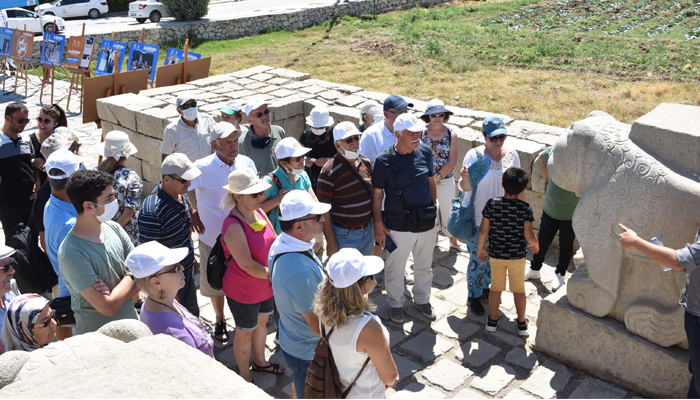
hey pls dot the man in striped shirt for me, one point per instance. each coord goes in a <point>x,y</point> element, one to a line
<point>165,217</point>
<point>345,182</point>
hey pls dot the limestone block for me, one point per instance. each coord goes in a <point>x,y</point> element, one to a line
<point>147,188</point>
<point>341,114</point>
<point>286,108</point>
<point>152,122</point>
<point>278,81</point>
<point>536,201</point>
<point>350,101</point>
<point>11,363</point>
<point>282,93</point>
<point>295,85</point>
<point>151,172</point>
<point>313,89</point>
<point>126,330</point>
<point>604,348</point>
<point>244,73</point>
<point>261,77</point>
<point>376,96</point>
<point>461,122</point>
<point>447,374</point>
<point>134,164</point>
<point>167,90</point>
<point>230,86</point>
<point>244,81</point>
<point>293,126</point>
<point>671,133</point>
<point>289,74</point>
<point>527,129</point>
<point>211,81</point>
<point>256,85</point>
<point>311,103</point>
<point>123,108</point>
<point>268,88</point>
<point>543,138</point>
<point>241,94</point>
<point>93,361</point>
<point>538,180</point>
<point>345,89</point>
<point>620,183</point>
<point>213,108</point>
<point>150,151</point>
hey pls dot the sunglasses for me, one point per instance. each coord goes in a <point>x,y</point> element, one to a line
<point>22,121</point>
<point>260,114</point>
<point>256,195</point>
<point>365,279</point>
<point>48,319</point>
<point>6,267</point>
<point>46,121</point>
<point>438,115</point>
<point>498,138</point>
<point>170,271</point>
<point>183,181</point>
<point>353,138</point>
<point>192,104</point>
<point>317,218</point>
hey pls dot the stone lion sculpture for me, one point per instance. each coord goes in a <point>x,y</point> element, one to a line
<point>621,184</point>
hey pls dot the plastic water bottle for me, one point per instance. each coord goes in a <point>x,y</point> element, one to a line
<point>657,242</point>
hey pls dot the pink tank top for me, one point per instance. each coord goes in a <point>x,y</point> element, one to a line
<point>238,284</point>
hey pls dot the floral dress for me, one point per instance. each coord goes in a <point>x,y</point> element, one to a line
<point>441,150</point>
<point>127,190</point>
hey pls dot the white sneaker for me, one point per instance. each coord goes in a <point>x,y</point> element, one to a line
<point>532,274</point>
<point>557,282</point>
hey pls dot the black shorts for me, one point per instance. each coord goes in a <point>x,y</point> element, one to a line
<point>64,312</point>
<point>246,315</point>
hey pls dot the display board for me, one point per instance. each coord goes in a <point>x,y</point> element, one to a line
<point>143,56</point>
<point>175,56</point>
<point>106,60</point>
<point>79,52</point>
<point>52,50</point>
<point>168,75</point>
<point>97,87</point>
<point>6,42</point>
<point>22,45</point>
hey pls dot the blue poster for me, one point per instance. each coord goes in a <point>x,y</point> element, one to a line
<point>106,60</point>
<point>52,49</point>
<point>175,56</point>
<point>143,56</point>
<point>5,41</point>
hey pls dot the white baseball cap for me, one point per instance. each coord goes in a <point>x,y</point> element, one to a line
<point>183,97</point>
<point>290,147</point>
<point>410,122</point>
<point>255,103</point>
<point>178,164</point>
<point>149,258</point>
<point>345,129</point>
<point>6,251</point>
<point>116,145</point>
<point>319,117</point>
<point>298,204</point>
<point>348,266</point>
<point>368,106</point>
<point>231,107</point>
<point>224,129</point>
<point>64,160</point>
<point>245,181</point>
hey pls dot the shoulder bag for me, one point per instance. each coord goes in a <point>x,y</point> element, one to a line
<point>461,221</point>
<point>419,219</point>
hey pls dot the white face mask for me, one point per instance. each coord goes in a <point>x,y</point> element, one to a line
<point>350,155</point>
<point>110,211</point>
<point>190,114</point>
<point>294,171</point>
<point>318,131</point>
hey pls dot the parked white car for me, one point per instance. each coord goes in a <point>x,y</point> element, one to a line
<point>17,18</point>
<point>147,9</point>
<point>74,8</point>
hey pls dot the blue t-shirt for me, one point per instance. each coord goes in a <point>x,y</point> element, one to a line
<point>412,172</point>
<point>301,183</point>
<point>295,279</point>
<point>59,218</point>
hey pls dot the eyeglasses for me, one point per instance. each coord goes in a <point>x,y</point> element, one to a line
<point>317,218</point>
<point>350,139</point>
<point>398,112</point>
<point>183,181</point>
<point>46,121</point>
<point>498,138</point>
<point>260,114</point>
<point>365,279</point>
<point>170,271</point>
<point>191,104</point>
<point>438,115</point>
<point>6,267</point>
<point>48,319</point>
<point>22,121</point>
<point>296,159</point>
<point>256,195</point>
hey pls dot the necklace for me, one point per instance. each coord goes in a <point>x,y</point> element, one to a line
<point>244,218</point>
<point>204,328</point>
<point>163,304</point>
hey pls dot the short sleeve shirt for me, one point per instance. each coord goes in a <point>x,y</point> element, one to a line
<point>374,140</point>
<point>264,158</point>
<point>689,257</point>
<point>16,170</point>
<point>301,183</point>
<point>187,329</point>
<point>82,261</point>
<point>195,142</point>
<point>558,203</point>
<point>60,218</point>
<point>507,233</point>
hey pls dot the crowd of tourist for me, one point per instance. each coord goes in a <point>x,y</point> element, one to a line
<point>270,202</point>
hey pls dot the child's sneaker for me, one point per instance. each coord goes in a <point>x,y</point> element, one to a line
<point>523,328</point>
<point>491,325</point>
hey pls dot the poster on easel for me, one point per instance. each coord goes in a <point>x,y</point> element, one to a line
<point>5,42</point>
<point>52,50</point>
<point>175,56</point>
<point>79,52</point>
<point>143,56</point>
<point>106,60</point>
<point>22,46</point>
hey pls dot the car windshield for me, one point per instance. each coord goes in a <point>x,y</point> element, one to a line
<point>54,2</point>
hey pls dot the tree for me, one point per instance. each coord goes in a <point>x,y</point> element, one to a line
<point>187,10</point>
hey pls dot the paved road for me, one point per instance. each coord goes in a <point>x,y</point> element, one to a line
<point>217,11</point>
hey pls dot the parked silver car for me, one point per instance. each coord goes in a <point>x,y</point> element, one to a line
<point>147,9</point>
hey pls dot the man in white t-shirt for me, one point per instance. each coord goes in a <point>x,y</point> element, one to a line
<point>209,187</point>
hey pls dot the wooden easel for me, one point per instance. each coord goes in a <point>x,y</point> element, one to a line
<point>184,78</point>
<point>76,81</point>
<point>23,73</point>
<point>48,77</point>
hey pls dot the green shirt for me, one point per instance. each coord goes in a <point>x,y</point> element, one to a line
<point>301,183</point>
<point>82,261</point>
<point>264,159</point>
<point>558,203</point>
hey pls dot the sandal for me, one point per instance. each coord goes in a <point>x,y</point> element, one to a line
<point>220,332</point>
<point>272,368</point>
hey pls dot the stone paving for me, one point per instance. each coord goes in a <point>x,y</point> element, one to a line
<point>449,357</point>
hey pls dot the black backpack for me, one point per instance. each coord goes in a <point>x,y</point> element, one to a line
<point>217,262</point>
<point>33,270</point>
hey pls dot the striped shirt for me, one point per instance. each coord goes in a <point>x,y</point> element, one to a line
<point>160,221</point>
<point>350,198</point>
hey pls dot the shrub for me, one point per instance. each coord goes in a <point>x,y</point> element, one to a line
<point>187,10</point>
<point>118,5</point>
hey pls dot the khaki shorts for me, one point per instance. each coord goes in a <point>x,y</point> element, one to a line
<point>204,287</point>
<point>516,275</point>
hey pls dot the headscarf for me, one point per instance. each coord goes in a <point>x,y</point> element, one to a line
<point>21,316</point>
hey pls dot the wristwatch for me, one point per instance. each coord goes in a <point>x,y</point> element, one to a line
<point>133,278</point>
<point>440,176</point>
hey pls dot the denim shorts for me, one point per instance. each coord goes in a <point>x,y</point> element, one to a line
<point>299,370</point>
<point>246,315</point>
<point>360,239</point>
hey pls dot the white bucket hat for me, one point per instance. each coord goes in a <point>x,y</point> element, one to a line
<point>245,181</point>
<point>116,145</point>
<point>348,266</point>
<point>319,117</point>
<point>290,147</point>
<point>149,258</point>
<point>410,122</point>
<point>298,204</point>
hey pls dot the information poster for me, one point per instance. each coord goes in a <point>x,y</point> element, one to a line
<point>79,52</point>
<point>143,56</point>
<point>52,49</point>
<point>22,45</point>
<point>175,56</point>
<point>6,42</point>
<point>106,61</point>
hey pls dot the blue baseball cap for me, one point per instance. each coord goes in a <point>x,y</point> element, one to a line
<point>396,102</point>
<point>494,126</point>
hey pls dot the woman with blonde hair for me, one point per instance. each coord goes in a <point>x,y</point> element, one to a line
<point>357,338</point>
